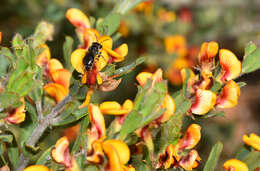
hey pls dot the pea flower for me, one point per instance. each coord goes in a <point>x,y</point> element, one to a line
<point>88,36</point>
<point>176,44</point>
<point>234,164</point>
<point>182,155</point>
<point>252,140</point>
<point>116,151</point>
<point>60,154</point>
<point>17,115</point>
<point>166,16</point>
<point>146,7</point>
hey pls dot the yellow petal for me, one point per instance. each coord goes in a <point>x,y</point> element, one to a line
<point>62,77</point>
<point>76,58</point>
<point>143,77</point>
<point>36,168</point>
<point>121,51</point>
<point>90,36</point>
<point>231,66</point>
<point>114,108</point>
<point>236,165</point>
<point>60,152</point>
<point>44,57</point>
<point>54,64</point>
<point>205,101</point>
<point>57,91</point>
<point>166,160</point>
<point>114,163</point>
<point>17,115</point>
<point>77,18</point>
<point>253,140</point>
<point>229,95</point>
<point>191,137</point>
<point>190,161</point>
<point>169,105</point>
<point>102,60</point>
<point>121,149</point>
<point>87,99</point>
<point>208,51</point>
<point>128,105</point>
<point>106,41</point>
<point>97,119</point>
<point>96,155</point>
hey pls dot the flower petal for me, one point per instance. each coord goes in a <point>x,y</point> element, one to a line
<point>17,115</point>
<point>169,105</point>
<point>54,64</point>
<point>106,41</point>
<point>121,148</point>
<point>36,168</point>
<point>102,60</point>
<point>87,99</point>
<point>96,155</point>
<point>114,108</point>
<point>0,37</point>
<point>229,95</point>
<point>205,101</point>
<point>231,66</point>
<point>44,57</point>
<point>128,105</point>
<point>114,163</point>
<point>119,53</point>
<point>76,59</point>
<point>191,137</point>
<point>253,140</point>
<point>143,77</point>
<point>167,158</point>
<point>175,44</point>
<point>60,152</point>
<point>208,51</point>
<point>190,161</point>
<point>71,132</point>
<point>90,36</point>
<point>97,119</point>
<point>78,18</point>
<point>62,77</point>
<point>57,91</point>
<point>234,164</point>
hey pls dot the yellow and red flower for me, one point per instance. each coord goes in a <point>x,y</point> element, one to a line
<point>176,44</point>
<point>16,116</point>
<point>60,154</point>
<point>234,164</point>
<point>229,95</point>
<point>166,16</point>
<point>252,140</point>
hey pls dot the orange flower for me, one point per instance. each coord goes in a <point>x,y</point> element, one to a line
<point>0,37</point>
<point>36,168</point>
<point>78,18</point>
<point>191,137</point>
<point>96,155</point>
<point>72,132</point>
<point>231,66</point>
<point>44,57</point>
<point>234,164</point>
<point>169,105</point>
<point>253,140</point>
<point>114,108</point>
<point>146,7</point>
<point>204,102</point>
<point>229,95</point>
<point>60,154</point>
<point>207,55</point>
<point>16,116</point>
<point>57,91</point>
<point>166,16</point>
<point>176,44</point>
<point>167,159</point>
<point>123,29</point>
<point>190,161</point>
<point>144,76</point>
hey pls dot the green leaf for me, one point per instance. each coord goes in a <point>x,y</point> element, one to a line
<point>110,24</point>
<point>67,50</point>
<point>243,152</point>
<point>252,160</point>
<point>13,153</point>
<point>185,84</point>
<point>43,32</point>
<point>250,48</point>
<point>9,99</point>
<point>146,107</point>
<point>252,60</point>
<point>4,61</point>
<point>83,126</point>
<point>183,104</point>
<point>109,69</point>
<point>241,84</point>
<point>44,157</point>
<point>6,138</point>
<point>126,69</point>
<point>212,114</point>
<point>124,6</point>
<point>18,44</point>
<point>213,157</point>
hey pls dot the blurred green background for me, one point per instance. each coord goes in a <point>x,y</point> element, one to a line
<point>232,23</point>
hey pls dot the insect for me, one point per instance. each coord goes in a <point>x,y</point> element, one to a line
<point>92,53</point>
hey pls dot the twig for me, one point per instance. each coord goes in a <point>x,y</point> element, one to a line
<point>39,110</point>
<point>40,129</point>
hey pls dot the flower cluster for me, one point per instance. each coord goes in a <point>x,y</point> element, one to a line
<point>200,88</point>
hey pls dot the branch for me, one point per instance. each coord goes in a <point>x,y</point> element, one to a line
<point>39,110</point>
<point>40,129</point>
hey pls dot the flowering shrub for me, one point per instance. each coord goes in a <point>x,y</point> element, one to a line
<point>40,95</point>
